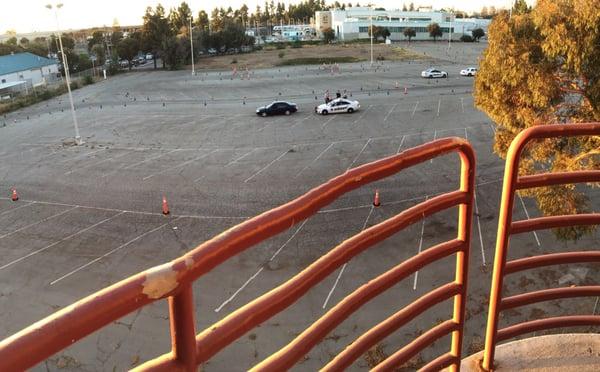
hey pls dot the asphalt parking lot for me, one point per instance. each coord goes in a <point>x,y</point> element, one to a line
<point>89,216</point>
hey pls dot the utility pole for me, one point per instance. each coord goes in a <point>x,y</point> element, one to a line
<point>192,47</point>
<point>67,75</point>
<point>371,29</point>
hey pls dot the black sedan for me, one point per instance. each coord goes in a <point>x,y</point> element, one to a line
<point>277,108</point>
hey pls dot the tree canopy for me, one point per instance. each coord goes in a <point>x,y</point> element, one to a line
<point>540,68</point>
<point>434,30</point>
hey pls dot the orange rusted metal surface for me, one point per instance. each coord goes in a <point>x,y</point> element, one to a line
<point>173,281</point>
<point>506,227</point>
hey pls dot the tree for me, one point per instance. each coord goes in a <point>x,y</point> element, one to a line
<point>478,33</point>
<point>99,52</point>
<point>534,73</point>
<point>409,33</point>
<point>484,12</point>
<point>127,49</point>
<point>404,8</point>
<point>202,20</point>
<point>328,35</point>
<point>155,31</point>
<point>434,30</point>
<point>411,7</point>
<point>180,18</point>
<point>12,41</point>
<point>97,38</point>
<point>520,7</point>
<point>24,41</point>
<point>116,37</point>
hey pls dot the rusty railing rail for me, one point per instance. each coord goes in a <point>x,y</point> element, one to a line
<point>508,227</point>
<point>173,281</point>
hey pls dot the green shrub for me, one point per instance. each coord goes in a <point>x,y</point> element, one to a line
<point>88,79</point>
<point>74,85</point>
<point>281,54</point>
<point>297,44</point>
<point>280,45</point>
<point>466,39</point>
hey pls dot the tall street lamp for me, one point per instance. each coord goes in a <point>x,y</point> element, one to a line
<point>371,7</point>
<point>67,75</point>
<point>192,46</point>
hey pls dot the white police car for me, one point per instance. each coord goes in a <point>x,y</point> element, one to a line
<point>337,106</point>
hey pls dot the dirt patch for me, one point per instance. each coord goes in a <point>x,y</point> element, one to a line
<point>269,57</point>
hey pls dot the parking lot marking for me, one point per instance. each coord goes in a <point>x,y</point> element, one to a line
<point>362,115</point>
<point>94,164</point>
<point>196,216</point>
<point>479,228</point>
<point>327,122</point>
<point>180,165</point>
<point>111,252</point>
<point>462,104</point>
<point>361,151</point>
<point>537,240</point>
<point>241,157</point>
<point>389,113</point>
<point>59,241</point>
<point>80,156</point>
<point>301,120</point>
<point>438,110</point>
<point>266,166</point>
<point>420,248</point>
<point>344,266</point>
<point>400,145</point>
<point>150,159</point>
<point>37,223</point>
<point>414,110</point>
<point>261,268</point>
<point>19,207</point>
<point>314,160</point>
<point>466,134</point>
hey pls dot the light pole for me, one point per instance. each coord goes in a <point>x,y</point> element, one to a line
<point>67,75</point>
<point>192,46</point>
<point>371,29</point>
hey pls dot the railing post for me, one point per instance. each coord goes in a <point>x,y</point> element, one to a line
<point>183,328</point>
<point>465,217</point>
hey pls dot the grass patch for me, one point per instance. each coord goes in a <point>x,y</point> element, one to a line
<point>317,61</point>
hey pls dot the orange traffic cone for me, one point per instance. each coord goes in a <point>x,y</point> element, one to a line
<point>376,201</point>
<point>14,196</point>
<point>165,206</point>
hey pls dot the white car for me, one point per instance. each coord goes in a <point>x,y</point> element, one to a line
<point>149,57</point>
<point>337,106</point>
<point>434,73</point>
<point>469,71</point>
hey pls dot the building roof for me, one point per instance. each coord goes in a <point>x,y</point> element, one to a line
<point>21,62</point>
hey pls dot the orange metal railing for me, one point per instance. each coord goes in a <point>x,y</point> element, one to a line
<point>173,281</point>
<point>508,227</point>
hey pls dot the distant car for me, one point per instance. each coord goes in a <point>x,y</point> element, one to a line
<point>149,56</point>
<point>212,51</point>
<point>434,73</point>
<point>124,63</point>
<point>337,106</point>
<point>469,71</point>
<point>277,108</point>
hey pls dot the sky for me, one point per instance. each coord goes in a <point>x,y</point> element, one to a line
<point>26,16</point>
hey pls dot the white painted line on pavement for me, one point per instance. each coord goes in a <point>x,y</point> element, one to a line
<point>180,165</point>
<point>438,110</point>
<point>80,156</point>
<point>361,151</point>
<point>420,248</point>
<point>260,269</point>
<point>58,241</point>
<point>479,229</point>
<point>537,240</point>
<point>327,122</point>
<point>344,266</point>
<point>110,252</point>
<point>14,209</point>
<point>414,110</point>
<point>36,223</point>
<point>400,145</point>
<point>150,159</point>
<point>241,157</point>
<point>462,104</point>
<point>314,160</point>
<point>389,113</point>
<point>265,167</point>
<point>94,164</point>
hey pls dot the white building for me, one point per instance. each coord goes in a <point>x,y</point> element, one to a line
<point>22,71</point>
<point>353,23</point>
